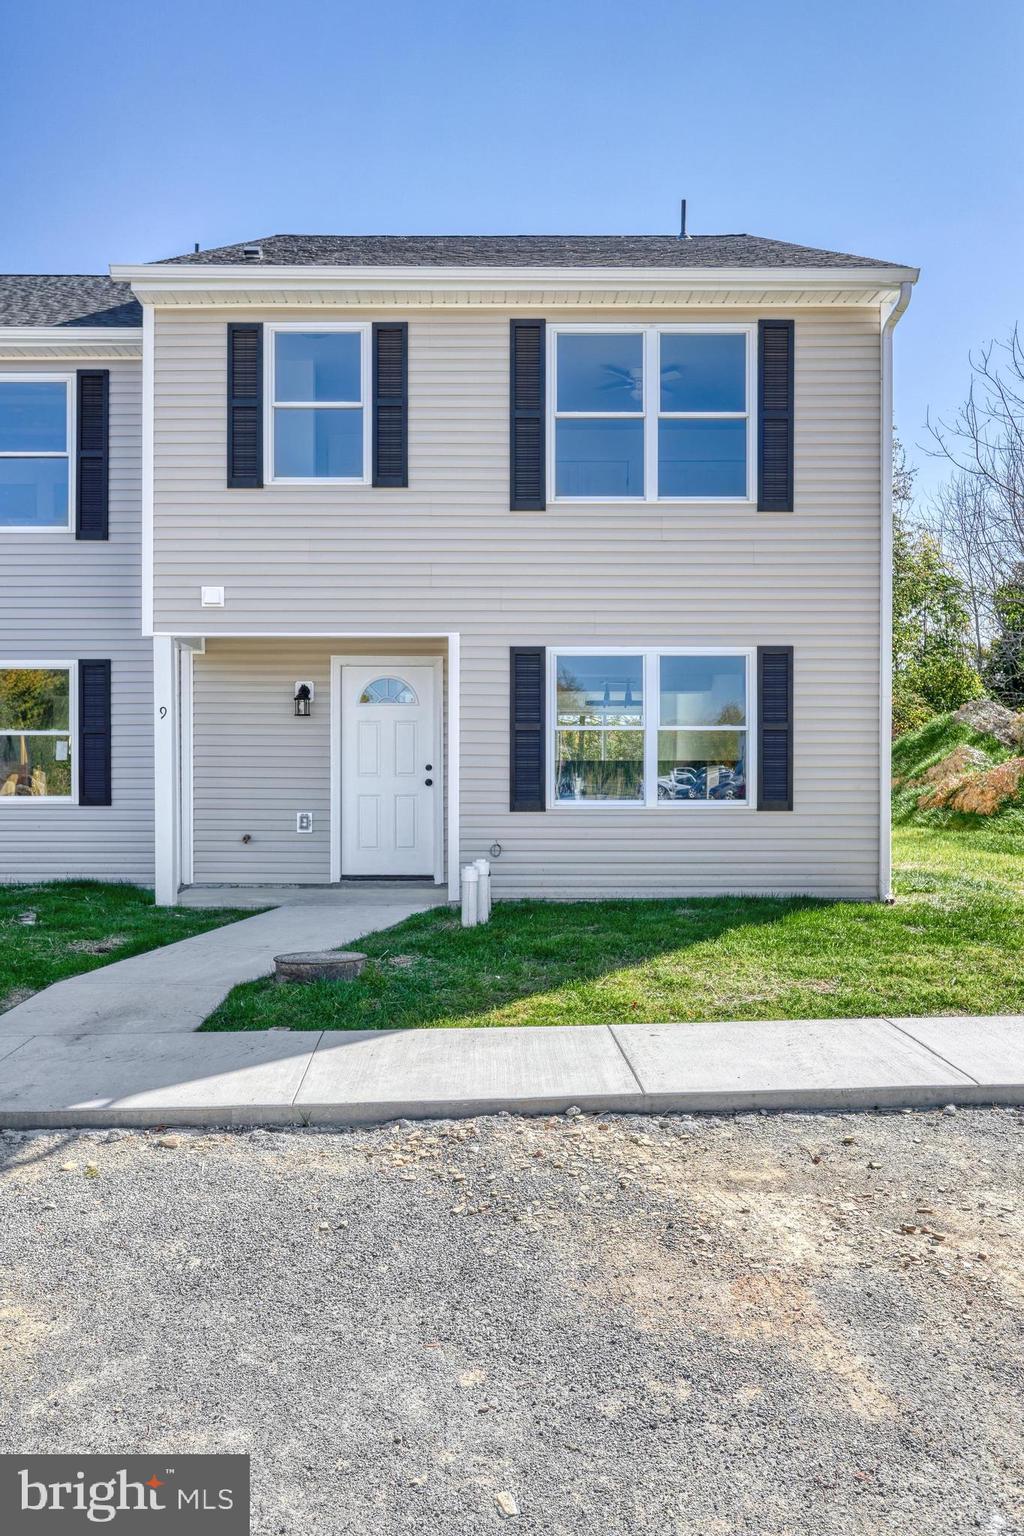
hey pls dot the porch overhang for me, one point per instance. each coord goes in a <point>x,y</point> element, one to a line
<point>173,655</point>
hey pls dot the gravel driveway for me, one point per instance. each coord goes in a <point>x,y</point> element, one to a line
<point>611,1324</point>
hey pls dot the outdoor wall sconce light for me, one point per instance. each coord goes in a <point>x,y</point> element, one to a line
<point>303,700</point>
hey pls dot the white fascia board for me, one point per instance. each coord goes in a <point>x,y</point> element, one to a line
<point>73,341</point>
<point>154,281</point>
<point>72,333</point>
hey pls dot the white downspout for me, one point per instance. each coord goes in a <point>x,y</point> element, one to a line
<point>889,317</point>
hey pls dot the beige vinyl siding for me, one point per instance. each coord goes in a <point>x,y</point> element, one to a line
<point>66,599</point>
<point>447,555</point>
<point>256,765</point>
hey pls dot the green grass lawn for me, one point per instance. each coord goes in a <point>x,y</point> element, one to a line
<point>952,943</point>
<point>82,924</point>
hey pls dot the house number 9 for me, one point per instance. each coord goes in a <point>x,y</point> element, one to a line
<point>163,711</point>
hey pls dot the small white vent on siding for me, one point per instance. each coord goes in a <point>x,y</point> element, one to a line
<point>212,597</point>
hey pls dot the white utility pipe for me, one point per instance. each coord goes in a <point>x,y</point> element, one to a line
<point>470,891</point>
<point>483,893</point>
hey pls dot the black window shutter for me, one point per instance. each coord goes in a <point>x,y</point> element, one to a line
<point>775,352</point>
<point>245,406</point>
<point>775,727</point>
<point>391,403</point>
<point>527,686</point>
<point>92,453</point>
<point>526,446</point>
<point>94,733</point>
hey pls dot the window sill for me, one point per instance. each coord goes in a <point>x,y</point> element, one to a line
<point>660,805</point>
<point>38,800</point>
<point>312,480</point>
<point>35,528</point>
<point>652,501</point>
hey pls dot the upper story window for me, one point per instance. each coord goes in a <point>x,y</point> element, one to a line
<point>652,413</point>
<point>37,705</point>
<point>35,451</point>
<point>318,393</point>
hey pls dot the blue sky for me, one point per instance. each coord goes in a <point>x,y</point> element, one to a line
<point>131,130</point>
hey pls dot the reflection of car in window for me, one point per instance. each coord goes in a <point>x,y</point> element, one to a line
<point>693,784</point>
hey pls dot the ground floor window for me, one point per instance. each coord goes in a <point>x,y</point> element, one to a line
<point>37,708</point>
<point>650,727</point>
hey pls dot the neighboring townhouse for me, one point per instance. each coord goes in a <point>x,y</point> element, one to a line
<point>570,552</point>
<point>76,733</point>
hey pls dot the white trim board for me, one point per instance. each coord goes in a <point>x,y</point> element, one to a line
<point>148,462</point>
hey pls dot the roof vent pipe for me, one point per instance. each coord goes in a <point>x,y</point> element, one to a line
<point>682,220</point>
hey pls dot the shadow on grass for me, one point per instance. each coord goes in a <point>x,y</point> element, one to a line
<point>570,963</point>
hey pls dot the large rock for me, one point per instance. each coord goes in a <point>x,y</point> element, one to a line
<point>319,965</point>
<point>993,719</point>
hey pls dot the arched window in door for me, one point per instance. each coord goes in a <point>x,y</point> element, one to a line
<point>388,690</point>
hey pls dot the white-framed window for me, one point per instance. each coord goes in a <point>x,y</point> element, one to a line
<point>37,429</point>
<point>651,412</point>
<point>38,731</point>
<point>318,404</point>
<point>657,728</point>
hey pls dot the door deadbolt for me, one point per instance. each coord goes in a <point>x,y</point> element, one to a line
<point>430,767</point>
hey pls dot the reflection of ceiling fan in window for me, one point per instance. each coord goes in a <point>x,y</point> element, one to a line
<point>622,378</point>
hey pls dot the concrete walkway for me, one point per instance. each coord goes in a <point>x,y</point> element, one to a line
<point>124,1077</point>
<point>173,989</point>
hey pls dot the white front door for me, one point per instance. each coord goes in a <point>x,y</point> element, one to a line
<point>390,777</point>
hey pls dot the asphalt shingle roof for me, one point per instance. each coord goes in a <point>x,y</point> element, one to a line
<point>526,251</point>
<point>66,300</point>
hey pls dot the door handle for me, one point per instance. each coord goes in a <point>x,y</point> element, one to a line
<point>428,782</point>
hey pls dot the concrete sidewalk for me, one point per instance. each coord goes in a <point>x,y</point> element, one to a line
<point>173,989</point>
<point>281,1077</point>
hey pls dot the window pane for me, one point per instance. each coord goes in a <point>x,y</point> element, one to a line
<point>321,444</point>
<point>599,458</point>
<point>702,458</point>
<point>601,372</point>
<point>35,765</point>
<point>317,365</point>
<point>33,418</point>
<point>388,690</point>
<point>34,699</point>
<point>703,373</point>
<point>600,690</point>
<point>703,690</point>
<point>33,493</point>
<point>599,765</point>
<point>702,765</point>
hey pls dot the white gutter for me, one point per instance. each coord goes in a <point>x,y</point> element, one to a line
<point>890,316</point>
